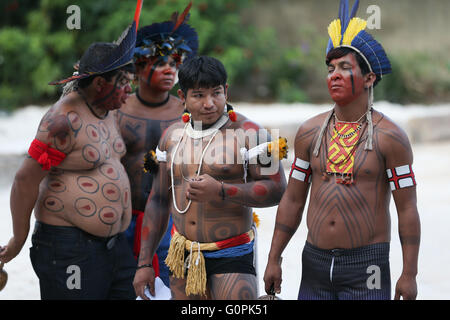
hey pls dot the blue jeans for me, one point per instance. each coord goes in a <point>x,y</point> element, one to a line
<point>72,264</point>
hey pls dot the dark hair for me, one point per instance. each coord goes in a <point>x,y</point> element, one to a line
<point>340,52</point>
<point>201,72</point>
<point>94,56</point>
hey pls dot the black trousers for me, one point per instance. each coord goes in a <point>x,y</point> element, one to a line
<point>346,274</point>
<point>72,264</point>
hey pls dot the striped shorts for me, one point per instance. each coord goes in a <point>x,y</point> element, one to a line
<point>346,274</point>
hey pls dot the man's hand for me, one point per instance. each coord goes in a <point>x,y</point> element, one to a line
<point>406,288</point>
<point>10,251</point>
<point>144,277</point>
<point>204,188</point>
<point>272,278</point>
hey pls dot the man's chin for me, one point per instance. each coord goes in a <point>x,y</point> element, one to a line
<point>206,121</point>
<point>211,119</point>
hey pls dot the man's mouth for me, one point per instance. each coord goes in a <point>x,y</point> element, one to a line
<point>335,86</point>
<point>208,114</point>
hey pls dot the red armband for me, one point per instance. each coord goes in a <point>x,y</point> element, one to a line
<point>45,155</point>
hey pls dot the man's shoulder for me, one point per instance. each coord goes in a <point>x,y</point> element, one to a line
<point>313,124</point>
<point>242,122</point>
<point>383,123</point>
<point>391,137</point>
<point>60,121</point>
<point>388,132</point>
<point>171,133</point>
<point>67,104</point>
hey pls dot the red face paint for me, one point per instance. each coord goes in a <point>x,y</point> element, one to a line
<point>345,81</point>
<point>112,95</point>
<point>160,75</point>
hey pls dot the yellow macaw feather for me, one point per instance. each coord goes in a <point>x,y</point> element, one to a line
<point>354,27</point>
<point>334,31</point>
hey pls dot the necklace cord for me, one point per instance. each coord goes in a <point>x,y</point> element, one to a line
<point>152,104</point>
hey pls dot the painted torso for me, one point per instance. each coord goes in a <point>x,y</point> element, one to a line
<point>90,188</point>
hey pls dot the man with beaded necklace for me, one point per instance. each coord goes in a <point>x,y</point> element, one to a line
<point>160,49</point>
<point>209,192</point>
<point>352,157</point>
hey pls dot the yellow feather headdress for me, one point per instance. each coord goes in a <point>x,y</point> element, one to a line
<point>348,31</point>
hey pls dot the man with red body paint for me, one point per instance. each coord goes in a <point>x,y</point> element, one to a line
<point>150,111</point>
<point>346,255</point>
<point>212,203</point>
<point>78,187</point>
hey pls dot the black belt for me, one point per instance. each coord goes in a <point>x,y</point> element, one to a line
<point>109,241</point>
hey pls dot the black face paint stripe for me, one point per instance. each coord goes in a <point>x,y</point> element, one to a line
<point>155,64</point>
<point>353,83</point>
<point>110,93</point>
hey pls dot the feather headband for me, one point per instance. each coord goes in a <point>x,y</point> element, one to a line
<point>170,38</point>
<point>348,31</point>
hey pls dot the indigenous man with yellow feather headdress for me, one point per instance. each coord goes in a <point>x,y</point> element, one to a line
<point>353,157</point>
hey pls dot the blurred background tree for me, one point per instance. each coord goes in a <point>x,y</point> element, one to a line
<point>273,50</point>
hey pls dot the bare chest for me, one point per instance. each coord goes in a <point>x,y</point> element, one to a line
<point>95,143</point>
<point>339,159</point>
<point>216,156</point>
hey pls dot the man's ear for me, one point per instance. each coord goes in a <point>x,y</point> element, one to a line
<point>369,80</point>
<point>226,90</point>
<point>98,83</point>
<point>181,95</point>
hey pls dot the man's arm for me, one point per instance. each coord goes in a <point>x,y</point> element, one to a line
<point>154,226</point>
<point>265,186</point>
<point>24,193</point>
<point>156,216</point>
<point>265,191</point>
<point>398,154</point>
<point>289,214</point>
<point>409,232</point>
<point>53,133</point>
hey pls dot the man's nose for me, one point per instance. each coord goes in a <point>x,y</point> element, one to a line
<point>335,75</point>
<point>169,69</point>
<point>208,102</point>
<point>128,88</point>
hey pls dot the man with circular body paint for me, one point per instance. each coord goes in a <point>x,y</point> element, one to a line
<point>209,192</point>
<point>160,50</point>
<point>353,158</point>
<point>77,186</point>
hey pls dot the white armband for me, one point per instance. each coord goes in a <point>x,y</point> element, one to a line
<point>248,155</point>
<point>301,170</point>
<point>161,156</point>
<point>401,177</point>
